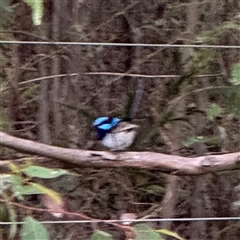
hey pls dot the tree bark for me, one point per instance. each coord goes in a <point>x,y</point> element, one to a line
<point>57,116</point>
<point>44,132</point>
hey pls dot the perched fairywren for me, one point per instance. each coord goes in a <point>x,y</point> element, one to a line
<point>115,133</point>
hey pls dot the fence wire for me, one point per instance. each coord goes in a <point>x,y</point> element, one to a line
<point>136,220</point>
<point>122,44</point>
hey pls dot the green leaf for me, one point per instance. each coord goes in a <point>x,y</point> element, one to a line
<point>236,74</point>
<point>3,119</point>
<point>29,91</point>
<point>13,220</point>
<point>154,189</point>
<point>20,189</point>
<point>5,9</point>
<point>37,10</point>
<point>214,111</point>
<point>233,100</point>
<point>14,168</point>
<point>201,139</point>
<point>144,231</point>
<point>5,6</point>
<point>169,233</point>
<point>5,182</point>
<point>29,190</point>
<point>52,194</point>
<point>10,213</point>
<point>4,215</point>
<point>231,25</point>
<point>194,139</point>
<point>17,183</point>
<point>101,235</point>
<point>212,36</point>
<point>203,58</point>
<point>34,230</point>
<point>237,203</point>
<point>160,22</point>
<point>42,172</point>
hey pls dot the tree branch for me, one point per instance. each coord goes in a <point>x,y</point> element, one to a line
<point>149,160</point>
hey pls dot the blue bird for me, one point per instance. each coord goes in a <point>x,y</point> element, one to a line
<point>115,133</point>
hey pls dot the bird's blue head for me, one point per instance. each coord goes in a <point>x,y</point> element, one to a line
<point>104,125</point>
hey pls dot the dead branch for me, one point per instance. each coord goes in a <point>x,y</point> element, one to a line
<point>171,164</point>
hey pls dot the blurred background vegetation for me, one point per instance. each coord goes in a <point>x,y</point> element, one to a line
<point>193,110</point>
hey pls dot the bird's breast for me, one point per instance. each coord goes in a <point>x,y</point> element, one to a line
<point>119,140</point>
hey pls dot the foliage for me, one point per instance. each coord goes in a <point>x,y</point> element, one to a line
<point>20,183</point>
<point>22,186</point>
<point>42,172</point>
<point>37,10</point>
<point>207,56</point>
<point>142,231</point>
<point>145,231</point>
<point>11,214</point>
<point>169,233</point>
<point>213,111</point>
<point>34,230</point>
<point>233,100</point>
<point>233,96</point>
<point>5,5</point>
<point>5,10</point>
<point>237,203</point>
<point>4,121</point>
<point>236,74</point>
<point>201,139</point>
<point>5,180</point>
<point>101,235</point>
<point>29,91</point>
<point>212,36</point>
<point>203,58</point>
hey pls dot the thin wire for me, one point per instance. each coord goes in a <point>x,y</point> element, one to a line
<point>121,44</point>
<point>136,220</point>
<point>113,74</point>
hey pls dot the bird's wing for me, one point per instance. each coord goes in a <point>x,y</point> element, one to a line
<point>124,126</point>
